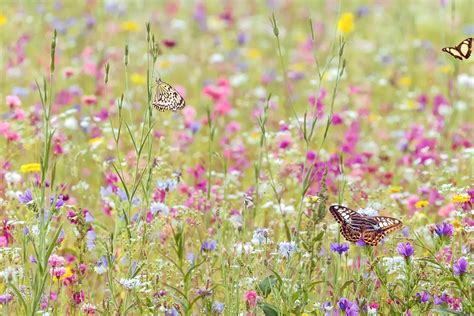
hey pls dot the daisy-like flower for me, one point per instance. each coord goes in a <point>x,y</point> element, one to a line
<point>421,204</point>
<point>30,167</point>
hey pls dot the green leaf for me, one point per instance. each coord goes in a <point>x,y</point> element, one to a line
<point>267,284</point>
<point>269,310</point>
<point>446,310</point>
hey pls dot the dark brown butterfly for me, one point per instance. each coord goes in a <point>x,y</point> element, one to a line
<point>370,229</point>
<point>167,98</point>
<point>462,51</point>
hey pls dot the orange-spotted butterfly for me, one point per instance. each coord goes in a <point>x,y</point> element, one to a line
<point>370,229</point>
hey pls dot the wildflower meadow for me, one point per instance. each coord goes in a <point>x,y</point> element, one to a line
<point>181,157</point>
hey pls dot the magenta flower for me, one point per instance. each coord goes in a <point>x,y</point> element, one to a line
<point>460,267</point>
<point>251,298</point>
<point>405,249</point>
<point>56,261</point>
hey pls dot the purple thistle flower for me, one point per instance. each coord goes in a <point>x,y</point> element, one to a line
<point>208,245</point>
<point>339,248</point>
<point>405,249</point>
<point>460,267</point>
<point>26,198</point>
<point>423,296</point>
<point>444,229</point>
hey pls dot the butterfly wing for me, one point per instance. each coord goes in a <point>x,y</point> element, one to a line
<point>465,48</point>
<point>461,51</point>
<point>167,98</point>
<point>344,216</point>
<point>384,225</point>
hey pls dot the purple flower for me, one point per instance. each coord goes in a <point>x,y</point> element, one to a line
<point>339,248</point>
<point>350,308</point>
<point>208,245</point>
<point>218,307</point>
<point>444,229</point>
<point>5,298</point>
<point>343,303</point>
<point>405,249</point>
<point>326,306</point>
<point>361,243</point>
<point>171,312</point>
<point>26,198</point>
<point>438,300</point>
<point>460,267</point>
<point>423,296</point>
<point>90,239</point>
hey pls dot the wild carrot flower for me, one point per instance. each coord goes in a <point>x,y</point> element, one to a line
<point>444,229</point>
<point>460,267</point>
<point>405,249</point>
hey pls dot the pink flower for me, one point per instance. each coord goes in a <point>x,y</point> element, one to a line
<point>89,99</point>
<point>3,241</point>
<point>13,101</point>
<point>336,119</point>
<point>69,72</point>
<point>19,115</point>
<point>251,298</point>
<point>284,141</point>
<point>56,261</point>
<point>57,272</point>
<point>446,210</point>
<point>411,203</point>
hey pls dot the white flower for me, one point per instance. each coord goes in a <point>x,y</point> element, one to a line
<point>100,269</point>
<point>260,236</point>
<point>245,248</point>
<point>286,249</point>
<point>157,207</point>
<point>12,177</point>
<point>130,283</point>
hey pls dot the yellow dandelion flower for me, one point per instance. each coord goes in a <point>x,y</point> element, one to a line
<point>68,273</point>
<point>254,53</point>
<point>3,19</point>
<point>395,188</point>
<point>346,23</point>
<point>460,198</point>
<point>130,26</point>
<point>95,140</point>
<point>30,167</point>
<point>405,81</point>
<point>138,79</point>
<point>422,203</point>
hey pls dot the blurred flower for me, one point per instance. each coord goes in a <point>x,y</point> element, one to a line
<point>421,204</point>
<point>251,298</point>
<point>350,308</point>
<point>130,26</point>
<point>444,229</point>
<point>346,22</point>
<point>26,198</point>
<point>89,99</point>
<point>460,198</point>
<point>286,249</point>
<point>78,297</point>
<point>56,261</point>
<point>208,245</point>
<point>424,296</point>
<point>460,267</point>
<point>13,101</point>
<point>218,307</point>
<point>339,248</point>
<point>138,79</point>
<point>260,236</point>
<point>30,167</point>
<point>88,309</point>
<point>404,81</point>
<point>6,297</point>
<point>405,249</point>
<point>3,19</point>
<point>171,312</point>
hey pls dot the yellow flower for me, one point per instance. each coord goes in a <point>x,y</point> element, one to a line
<point>138,79</point>
<point>30,167</point>
<point>95,140</point>
<point>411,105</point>
<point>421,204</point>
<point>304,314</point>
<point>164,64</point>
<point>395,189</point>
<point>446,69</point>
<point>254,53</point>
<point>456,224</point>
<point>130,26</point>
<point>460,198</point>
<point>3,19</point>
<point>346,23</point>
<point>404,81</point>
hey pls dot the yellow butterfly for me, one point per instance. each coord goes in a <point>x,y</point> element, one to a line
<point>461,51</point>
<point>167,98</point>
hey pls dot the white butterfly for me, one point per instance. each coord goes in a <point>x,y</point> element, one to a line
<point>167,98</point>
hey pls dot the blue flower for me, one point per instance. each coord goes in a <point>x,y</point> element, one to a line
<point>208,245</point>
<point>26,198</point>
<point>405,249</point>
<point>444,229</point>
<point>287,248</point>
<point>460,267</point>
<point>339,248</point>
<point>218,307</point>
